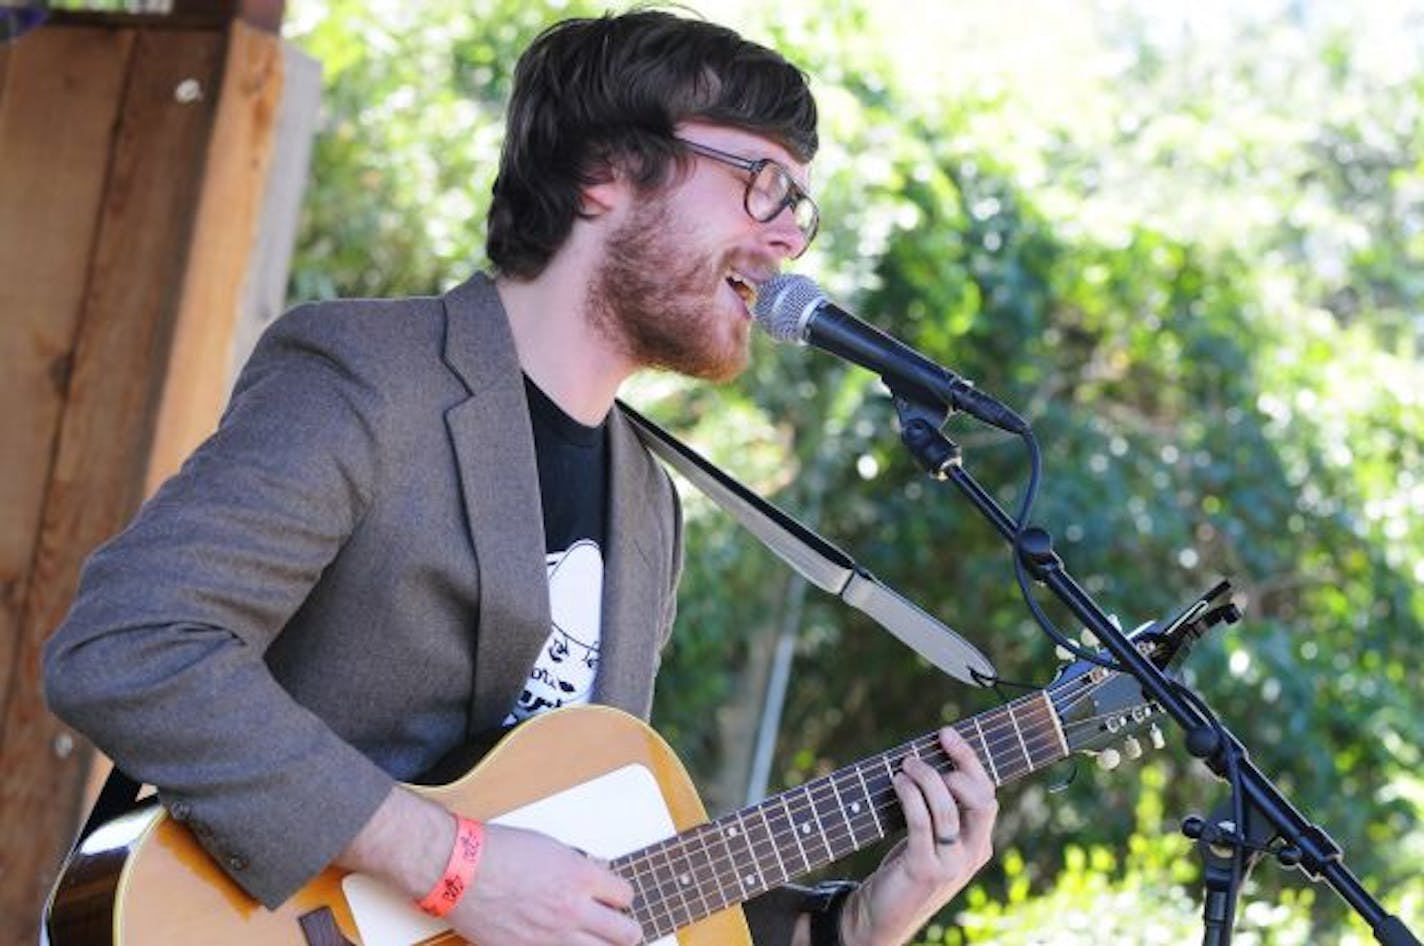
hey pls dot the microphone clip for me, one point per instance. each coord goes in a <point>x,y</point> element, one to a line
<point>920,432</point>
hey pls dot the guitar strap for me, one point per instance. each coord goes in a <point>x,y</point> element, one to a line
<point>818,561</point>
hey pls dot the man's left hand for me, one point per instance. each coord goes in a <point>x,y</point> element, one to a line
<point>951,821</point>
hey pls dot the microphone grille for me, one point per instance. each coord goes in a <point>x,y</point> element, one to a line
<point>784,304</point>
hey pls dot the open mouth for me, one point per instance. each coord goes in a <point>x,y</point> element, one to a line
<point>743,287</point>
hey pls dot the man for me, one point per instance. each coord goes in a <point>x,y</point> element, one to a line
<point>348,579</point>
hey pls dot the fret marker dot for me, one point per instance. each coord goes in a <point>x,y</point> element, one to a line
<point>732,832</point>
<point>684,880</point>
<point>855,807</point>
<point>749,880</point>
<point>805,829</point>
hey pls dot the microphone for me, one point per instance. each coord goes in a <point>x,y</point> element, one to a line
<point>792,308</point>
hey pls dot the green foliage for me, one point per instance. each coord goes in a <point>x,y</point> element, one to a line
<point>1190,256</point>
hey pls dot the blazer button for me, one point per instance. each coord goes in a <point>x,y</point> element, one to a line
<point>236,863</point>
<point>180,811</point>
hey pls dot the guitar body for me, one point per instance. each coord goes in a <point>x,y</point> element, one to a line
<point>144,881</point>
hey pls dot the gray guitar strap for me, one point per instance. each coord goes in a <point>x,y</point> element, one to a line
<point>818,561</point>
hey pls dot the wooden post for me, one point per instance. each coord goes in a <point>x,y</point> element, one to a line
<point>120,139</point>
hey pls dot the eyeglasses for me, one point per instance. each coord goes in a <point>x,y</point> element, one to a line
<point>770,189</point>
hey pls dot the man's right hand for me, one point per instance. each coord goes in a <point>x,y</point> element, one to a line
<point>529,890</point>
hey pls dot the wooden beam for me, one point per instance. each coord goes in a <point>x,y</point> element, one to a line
<point>224,236</point>
<point>265,15</point>
<point>125,324</point>
<point>50,194</point>
<point>265,294</point>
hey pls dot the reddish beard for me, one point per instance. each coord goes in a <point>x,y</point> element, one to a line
<point>656,297</point>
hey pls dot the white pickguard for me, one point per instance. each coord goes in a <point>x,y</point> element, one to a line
<point>609,816</point>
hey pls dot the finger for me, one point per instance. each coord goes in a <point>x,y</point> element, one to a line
<point>944,812</point>
<point>962,754</point>
<point>608,925</point>
<point>919,840</point>
<point>607,887</point>
<point>971,792</point>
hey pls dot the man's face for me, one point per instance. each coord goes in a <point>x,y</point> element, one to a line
<point>680,267</point>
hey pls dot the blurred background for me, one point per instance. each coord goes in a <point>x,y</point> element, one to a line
<point>1187,244</point>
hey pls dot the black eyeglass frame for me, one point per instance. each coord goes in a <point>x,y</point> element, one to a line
<point>795,197</point>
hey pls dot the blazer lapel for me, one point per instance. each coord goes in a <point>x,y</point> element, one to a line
<point>638,572</point>
<point>494,448</point>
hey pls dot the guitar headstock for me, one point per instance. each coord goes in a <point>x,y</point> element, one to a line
<point>1102,711</point>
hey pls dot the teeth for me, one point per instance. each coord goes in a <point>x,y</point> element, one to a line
<point>744,287</point>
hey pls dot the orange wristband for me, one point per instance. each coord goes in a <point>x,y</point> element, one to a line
<point>460,871</point>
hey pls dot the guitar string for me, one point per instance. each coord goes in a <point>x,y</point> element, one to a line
<point>999,735</point>
<point>809,799</point>
<point>991,745</point>
<point>669,918</point>
<point>813,795</point>
<point>807,802</point>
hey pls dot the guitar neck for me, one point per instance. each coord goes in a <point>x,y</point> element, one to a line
<point>692,875</point>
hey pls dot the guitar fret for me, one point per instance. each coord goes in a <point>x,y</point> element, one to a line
<point>985,754</point>
<point>870,801</point>
<point>771,839</point>
<point>671,881</point>
<point>845,811</point>
<point>723,831</point>
<point>1028,759</point>
<point>808,794</point>
<point>1001,731</point>
<point>703,871</point>
<point>641,903</point>
<point>795,834</point>
<point>751,883</point>
<point>653,911</point>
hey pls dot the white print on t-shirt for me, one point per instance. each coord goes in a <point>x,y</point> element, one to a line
<point>565,669</point>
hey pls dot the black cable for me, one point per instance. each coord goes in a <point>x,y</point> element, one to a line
<point>1021,522</point>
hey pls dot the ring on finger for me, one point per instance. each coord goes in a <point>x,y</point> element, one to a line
<point>948,838</point>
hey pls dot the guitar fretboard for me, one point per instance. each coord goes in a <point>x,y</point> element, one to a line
<point>694,874</point>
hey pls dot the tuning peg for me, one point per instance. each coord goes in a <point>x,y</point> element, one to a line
<point>1159,741</point>
<point>1063,654</point>
<point>1132,748</point>
<point>1088,638</point>
<point>1109,759</point>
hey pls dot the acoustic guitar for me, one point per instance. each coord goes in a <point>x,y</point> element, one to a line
<point>606,783</point>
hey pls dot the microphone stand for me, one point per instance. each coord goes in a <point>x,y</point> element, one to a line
<point>1259,809</point>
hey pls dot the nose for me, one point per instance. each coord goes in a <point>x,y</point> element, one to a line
<point>783,236</point>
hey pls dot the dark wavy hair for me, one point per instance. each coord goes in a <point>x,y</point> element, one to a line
<point>594,94</point>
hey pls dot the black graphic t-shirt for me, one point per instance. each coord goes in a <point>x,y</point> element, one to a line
<point>573,477</point>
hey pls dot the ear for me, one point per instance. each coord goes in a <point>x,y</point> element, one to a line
<point>607,194</point>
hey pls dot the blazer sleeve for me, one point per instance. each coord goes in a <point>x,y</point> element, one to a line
<point>160,660</point>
